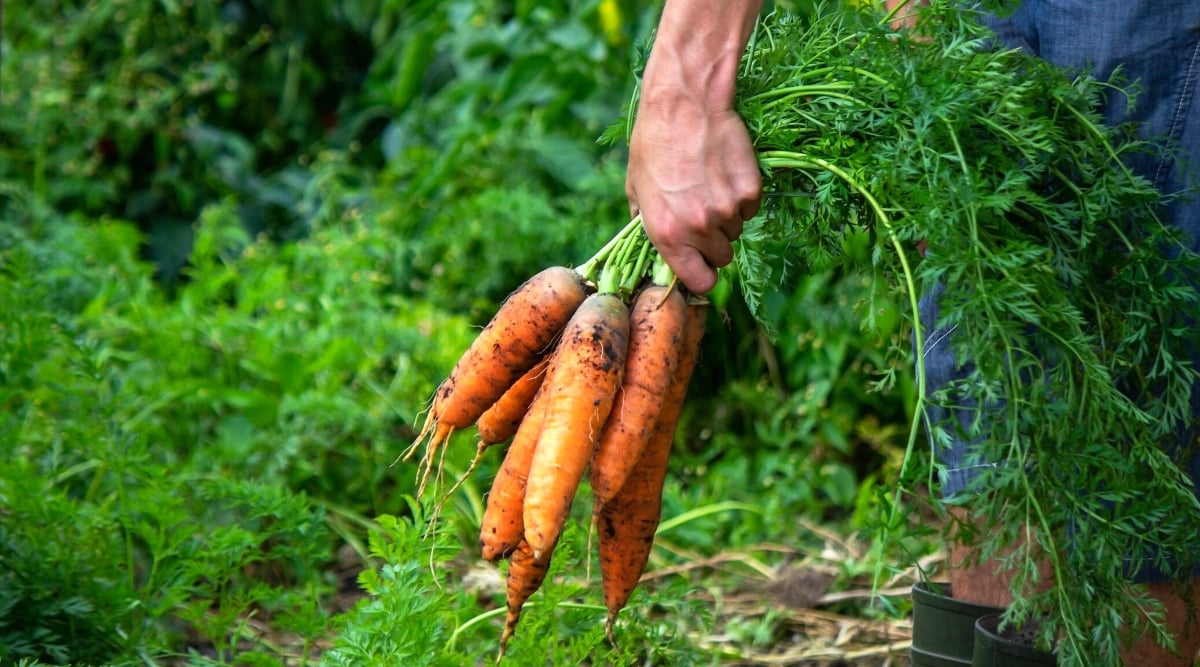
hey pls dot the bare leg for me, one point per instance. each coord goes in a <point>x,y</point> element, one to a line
<point>1186,630</point>
<point>984,583</point>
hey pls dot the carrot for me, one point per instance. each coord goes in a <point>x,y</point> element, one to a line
<point>503,524</point>
<point>526,573</point>
<point>583,380</point>
<point>512,342</point>
<point>627,522</point>
<point>499,422</point>
<point>657,320</point>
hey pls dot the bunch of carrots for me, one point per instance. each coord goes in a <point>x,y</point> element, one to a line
<point>583,372</point>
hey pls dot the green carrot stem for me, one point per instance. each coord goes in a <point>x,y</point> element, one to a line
<point>592,266</point>
<point>804,89</point>
<point>828,93</point>
<point>660,272</point>
<point>639,267</point>
<point>785,159</point>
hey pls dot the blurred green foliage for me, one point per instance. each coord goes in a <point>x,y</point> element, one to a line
<point>240,245</point>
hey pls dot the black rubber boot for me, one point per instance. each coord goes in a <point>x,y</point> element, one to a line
<point>1010,647</point>
<point>943,628</point>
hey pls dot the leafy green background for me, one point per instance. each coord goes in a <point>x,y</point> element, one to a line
<point>242,242</point>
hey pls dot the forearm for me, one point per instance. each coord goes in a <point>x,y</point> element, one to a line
<point>905,11</point>
<point>697,51</point>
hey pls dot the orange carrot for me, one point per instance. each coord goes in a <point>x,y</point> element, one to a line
<point>499,422</point>
<point>503,525</point>
<point>656,322</point>
<point>583,380</point>
<point>512,342</point>
<point>525,576</point>
<point>627,522</point>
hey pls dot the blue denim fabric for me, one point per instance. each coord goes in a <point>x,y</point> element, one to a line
<point>1153,42</point>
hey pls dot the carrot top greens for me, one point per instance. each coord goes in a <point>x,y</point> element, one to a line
<point>1068,293</point>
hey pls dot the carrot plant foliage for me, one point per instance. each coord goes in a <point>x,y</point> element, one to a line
<point>1068,294</point>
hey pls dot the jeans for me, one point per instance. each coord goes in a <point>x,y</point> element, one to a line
<point>1153,42</point>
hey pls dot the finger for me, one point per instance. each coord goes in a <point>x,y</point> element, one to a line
<point>748,186</point>
<point>748,209</point>
<point>717,252</point>
<point>692,270</point>
<point>732,229</point>
<point>691,263</point>
<point>632,198</point>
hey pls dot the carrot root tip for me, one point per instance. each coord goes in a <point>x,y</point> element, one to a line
<point>427,427</point>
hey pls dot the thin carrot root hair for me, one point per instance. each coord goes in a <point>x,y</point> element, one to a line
<point>672,287</point>
<point>480,448</point>
<point>426,427</point>
<point>437,448</point>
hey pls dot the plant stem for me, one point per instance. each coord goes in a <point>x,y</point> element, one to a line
<point>785,159</point>
<point>591,267</point>
<point>634,276</point>
<point>826,93</point>
<point>803,89</point>
<point>661,273</point>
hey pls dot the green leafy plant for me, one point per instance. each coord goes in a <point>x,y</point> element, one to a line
<point>193,469</point>
<point>1067,292</point>
<point>103,536</point>
<point>449,623</point>
<point>150,110</point>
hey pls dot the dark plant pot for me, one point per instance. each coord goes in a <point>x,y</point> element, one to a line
<point>1010,647</point>
<point>943,628</point>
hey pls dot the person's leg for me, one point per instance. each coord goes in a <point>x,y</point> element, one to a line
<point>986,582</point>
<point>976,580</point>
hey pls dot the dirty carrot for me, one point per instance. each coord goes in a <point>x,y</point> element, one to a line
<point>657,320</point>
<point>582,380</point>
<point>503,524</point>
<point>511,343</point>
<point>526,573</point>
<point>499,422</point>
<point>626,524</point>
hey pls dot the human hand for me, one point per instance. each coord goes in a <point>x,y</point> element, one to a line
<point>694,177</point>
